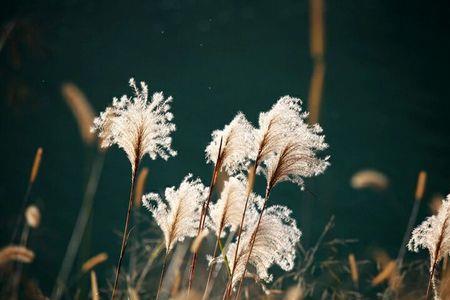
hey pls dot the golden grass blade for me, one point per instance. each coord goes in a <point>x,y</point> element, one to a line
<point>315,92</point>
<point>420,187</point>
<point>140,184</point>
<point>385,273</point>
<point>317,28</point>
<point>132,294</point>
<point>94,261</point>
<point>353,269</point>
<point>36,165</point>
<point>94,286</point>
<point>81,109</point>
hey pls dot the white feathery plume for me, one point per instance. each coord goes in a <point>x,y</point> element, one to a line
<point>178,216</point>
<point>275,243</point>
<point>137,125</point>
<point>235,151</point>
<point>275,125</point>
<point>297,158</point>
<point>434,235</point>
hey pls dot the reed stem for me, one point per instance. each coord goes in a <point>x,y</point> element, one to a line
<point>162,275</point>
<point>212,269</point>
<point>203,214</point>
<point>125,230</point>
<point>79,228</point>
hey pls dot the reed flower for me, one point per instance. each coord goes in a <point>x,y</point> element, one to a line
<point>297,158</point>
<point>275,125</point>
<point>137,125</point>
<point>234,151</point>
<point>434,235</point>
<point>274,243</point>
<point>178,216</point>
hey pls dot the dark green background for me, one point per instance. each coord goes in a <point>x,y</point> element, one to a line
<point>386,104</point>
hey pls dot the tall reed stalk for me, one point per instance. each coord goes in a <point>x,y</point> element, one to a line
<point>127,219</point>
<point>33,174</point>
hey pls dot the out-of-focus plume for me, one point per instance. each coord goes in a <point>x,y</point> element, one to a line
<point>81,110</point>
<point>33,216</point>
<point>36,165</point>
<point>16,253</point>
<point>94,261</point>
<point>369,179</point>
<point>353,269</point>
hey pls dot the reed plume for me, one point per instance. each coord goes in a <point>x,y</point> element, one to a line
<point>228,150</point>
<point>178,216</point>
<point>16,253</point>
<point>286,149</point>
<point>369,179</point>
<point>274,242</point>
<point>434,235</point>
<point>139,127</point>
<point>235,152</point>
<point>353,269</point>
<point>226,212</point>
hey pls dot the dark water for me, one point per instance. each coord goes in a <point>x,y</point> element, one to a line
<point>386,104</point>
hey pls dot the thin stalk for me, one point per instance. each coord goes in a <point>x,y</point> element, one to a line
<point>79,228</point>
<point>125,230</point>
<point>33,174</point>
<point>19,265</point>
<point>252,242</point>
<point>203,215</point>
<point>406,236</point>
<point>162,275</point>
<point>436,256</point>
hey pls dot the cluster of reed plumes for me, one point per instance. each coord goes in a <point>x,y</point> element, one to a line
<point>222,240</point>
<point>283,148</point>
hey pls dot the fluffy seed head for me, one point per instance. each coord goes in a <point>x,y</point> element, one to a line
<point>235,151</point>
<point>178,215</point>
<point>138,125</point>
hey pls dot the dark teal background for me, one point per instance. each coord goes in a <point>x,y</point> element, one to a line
<point>386,104</point>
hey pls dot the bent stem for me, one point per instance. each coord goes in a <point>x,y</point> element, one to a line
<point>162,275</point>
<point>125,230</point>
<point>80,227</point>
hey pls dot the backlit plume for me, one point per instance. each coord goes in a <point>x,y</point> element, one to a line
<point>275,125</point>
<point>235,150</point>
<point>434,235</point>
<point>289,144</point>
<point>178,216</point>
<point>137,125</point>
<point>275,243</point>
